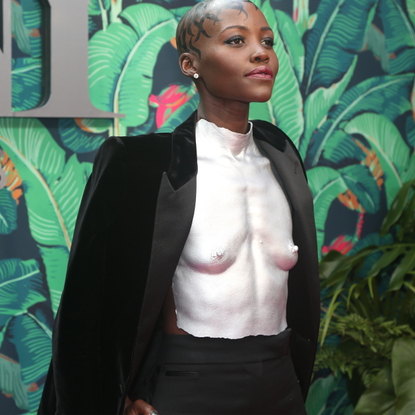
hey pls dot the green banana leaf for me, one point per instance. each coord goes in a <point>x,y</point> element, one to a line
<point>30,146</point>
<point>373,239</point>
<point>410,171</point>
<point>410,7</point>
<point>143,128</point>
<point>375,41</point>
<point>292,41</point>
<point>32,339</point>
<point>318,104</point>
<point>8,212</point>
<point>32,17</point>
<point>116,8</point>
<point>392,151</point>
<point>261,111</point>
<point>180,12</point>
<point>326,184</point>
<point>301,15</point>
<point>21,287</point>
<point>403,375</point>
<point>19,30</point>
<point>340,148</point>
<point>32,13</point>
<point>68,191</point>
<point>410,130</point>
<point>11,382</point>
<point>400,36</point>
<point>334,40</point>
<point>122,58</point>
<point>387,95</point>
<point>96,7</point>
<point>257,3</point>
<point>39,161</point>
<point>286,100</point>
<point>363,185</point>
<point>56,261</point>
<point>52,190</point>
<point>83,135</point>
<point>26,83</point>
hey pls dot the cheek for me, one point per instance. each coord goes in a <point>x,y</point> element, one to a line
<point>216,60</point>
<point>277,65</point>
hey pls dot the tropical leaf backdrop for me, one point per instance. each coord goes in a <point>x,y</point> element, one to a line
<point>344,94</point>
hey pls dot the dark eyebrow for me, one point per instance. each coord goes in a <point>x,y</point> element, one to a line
<point>264,28</point>
<point>235,27</point>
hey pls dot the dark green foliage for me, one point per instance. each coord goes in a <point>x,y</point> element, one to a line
<point>83,135</point>
<point>366,346</point>
<point>8,212</point>
<point>334,40</point>
<point>371,312</point>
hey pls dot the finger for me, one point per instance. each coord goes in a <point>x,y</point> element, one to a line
<point>129,407</point>
<point>143,408</point>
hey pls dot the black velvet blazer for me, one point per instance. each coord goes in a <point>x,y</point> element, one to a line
<point>134,219</point>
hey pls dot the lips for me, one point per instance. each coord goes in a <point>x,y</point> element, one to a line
<point>261,72</point>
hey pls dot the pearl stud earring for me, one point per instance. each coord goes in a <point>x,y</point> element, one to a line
<point>196,76</point>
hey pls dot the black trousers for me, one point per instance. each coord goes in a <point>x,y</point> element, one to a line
<point>252,375</point>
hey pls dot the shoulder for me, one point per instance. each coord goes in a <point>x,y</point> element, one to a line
<point>277,138</point>
<point>143,151</point>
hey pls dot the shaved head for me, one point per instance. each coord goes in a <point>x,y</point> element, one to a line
<point>190,28</point>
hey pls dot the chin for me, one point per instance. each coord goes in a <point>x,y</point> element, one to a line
<point>261,95</point>
<point>262,98</point>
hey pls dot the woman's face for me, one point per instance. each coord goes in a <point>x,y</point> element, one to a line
<point>237,62</point>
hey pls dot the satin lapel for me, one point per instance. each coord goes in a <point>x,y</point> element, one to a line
<point>297,190</point>
<point>174,215</point>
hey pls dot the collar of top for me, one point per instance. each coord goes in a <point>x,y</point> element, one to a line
<point>214,141</point>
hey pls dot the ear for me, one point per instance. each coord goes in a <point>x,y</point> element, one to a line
<point>188,64</point>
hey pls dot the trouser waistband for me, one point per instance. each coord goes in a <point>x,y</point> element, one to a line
<point>186,349</point>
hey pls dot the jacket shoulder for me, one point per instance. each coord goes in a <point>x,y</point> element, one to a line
<point>151,152</point>
<point>277,138</point>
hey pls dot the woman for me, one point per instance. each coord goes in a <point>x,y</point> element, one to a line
<point>194,302</point>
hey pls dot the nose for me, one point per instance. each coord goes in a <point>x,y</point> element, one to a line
<point>260,55</point>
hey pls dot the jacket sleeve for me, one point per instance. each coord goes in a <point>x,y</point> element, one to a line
<point>74,379</point>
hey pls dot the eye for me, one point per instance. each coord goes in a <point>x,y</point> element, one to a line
<point>236,40</point>
<point>268,41</point>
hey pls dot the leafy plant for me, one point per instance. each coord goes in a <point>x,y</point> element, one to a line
<point>373,311</point>
<point>328,396</point>
<point>392,392</point>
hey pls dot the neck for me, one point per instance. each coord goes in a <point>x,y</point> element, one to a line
<point>231,115</point>
<point>213,141</point>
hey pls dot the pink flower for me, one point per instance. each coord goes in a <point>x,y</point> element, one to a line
<point>342,244</point>
<point>170,100</point>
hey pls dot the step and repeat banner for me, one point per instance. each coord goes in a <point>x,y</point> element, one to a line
<point>73,73</point>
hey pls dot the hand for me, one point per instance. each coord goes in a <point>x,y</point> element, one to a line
<point>138,407</point>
